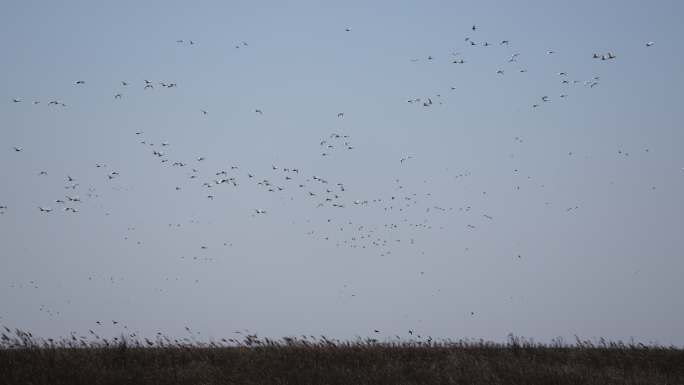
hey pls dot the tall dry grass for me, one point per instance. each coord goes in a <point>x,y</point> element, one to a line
<point>25,359</point>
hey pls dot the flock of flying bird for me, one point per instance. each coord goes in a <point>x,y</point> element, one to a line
<point>294,182</point>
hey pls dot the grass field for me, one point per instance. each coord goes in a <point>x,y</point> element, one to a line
<point>307,360</point>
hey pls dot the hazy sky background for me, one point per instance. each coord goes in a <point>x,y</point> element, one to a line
<point>585,193</point>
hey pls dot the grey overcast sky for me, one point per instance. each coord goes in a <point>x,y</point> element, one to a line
<point>445,202</point>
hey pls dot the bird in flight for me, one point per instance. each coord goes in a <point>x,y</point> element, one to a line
<point>259,211</point>
<point>348,29</point>
<point>340,114</point>
<point>650,43</point>
<point>258,111</point>
<point>204,112</point>
<point>79,82</point>
<point>44,209</point>
<point>117,96</point>
<point>15,100</point>
<point>17,149</point>
<point>123,83</point>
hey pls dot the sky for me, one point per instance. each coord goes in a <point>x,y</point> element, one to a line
<point>429,194</point>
